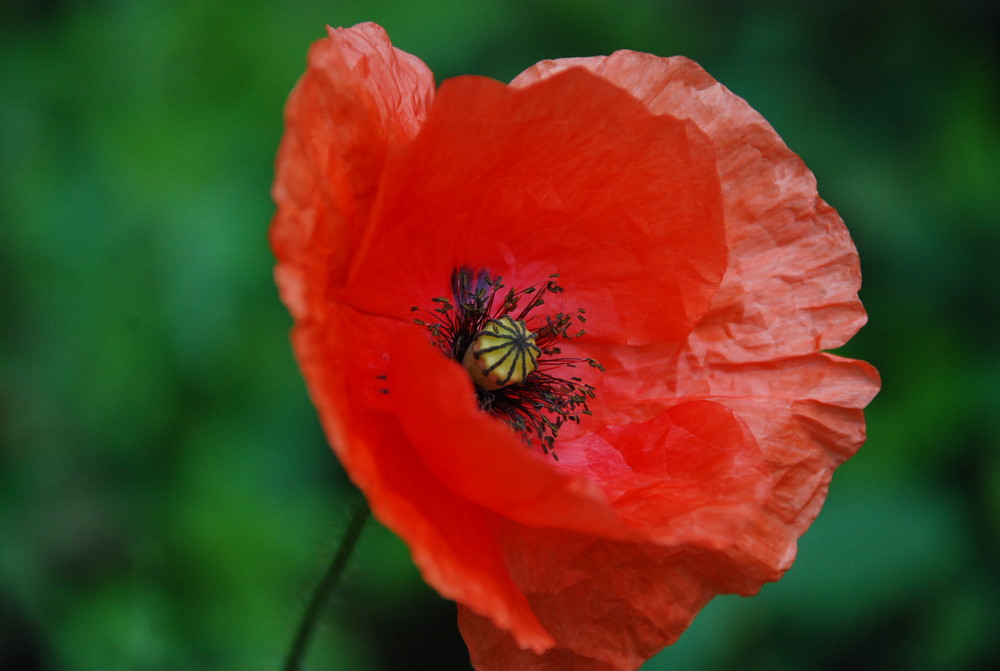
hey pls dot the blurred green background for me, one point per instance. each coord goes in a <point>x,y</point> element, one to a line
<point>167,500</point>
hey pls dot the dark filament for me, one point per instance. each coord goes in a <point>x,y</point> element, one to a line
<point>543,403</point>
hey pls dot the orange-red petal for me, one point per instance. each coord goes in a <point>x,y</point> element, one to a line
<point>609,605</point>
<point>692,479</point>
<point>480,458</point>
<point>359,98</point>
<point>345,358</point>
<point>572,176</point>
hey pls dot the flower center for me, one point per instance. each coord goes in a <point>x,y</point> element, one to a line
<point>508,352</point>
<point>503,353</point>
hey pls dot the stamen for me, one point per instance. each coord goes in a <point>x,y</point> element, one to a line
<point>509,352</point>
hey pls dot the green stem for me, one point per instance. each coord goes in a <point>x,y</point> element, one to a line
<point>325,588</point>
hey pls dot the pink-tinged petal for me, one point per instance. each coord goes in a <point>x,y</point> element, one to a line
<point>358,99</point>
<point>790,290</point>
<point>692,475</point>
<point>793,277</point>
<point>572,176</point>
<point>692,478</point>
<point>610,606</point>
<point>806,414</point>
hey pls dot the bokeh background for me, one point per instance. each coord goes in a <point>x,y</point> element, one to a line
<point>167,500</point>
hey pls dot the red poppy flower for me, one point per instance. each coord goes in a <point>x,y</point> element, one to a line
<point>441,252</point>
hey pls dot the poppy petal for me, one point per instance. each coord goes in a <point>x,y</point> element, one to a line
<point>793,277</point>
<point>572,176</point>
<point>790,289</point>
<point>692,475</point>
<point>453,541</point>
<point>693,478</point>
<point>807,416</point>
<point>607,619</point>
<point>479,457</point>
<point>359,98</point>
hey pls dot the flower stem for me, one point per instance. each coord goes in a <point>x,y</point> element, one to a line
<point>325,588</point>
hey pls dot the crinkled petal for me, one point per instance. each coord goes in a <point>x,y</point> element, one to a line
<point>790,290</point>
<point>359,98</point>
<point>692,475</point>
<point>806,414</point>
<point>447,491</point>
<point>692,478</point>
<point>609,605</point>
<point>793,277</point>
<point>572,176</point>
